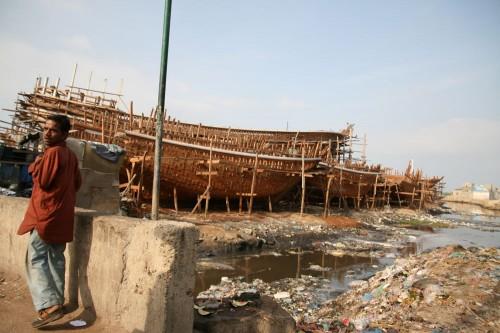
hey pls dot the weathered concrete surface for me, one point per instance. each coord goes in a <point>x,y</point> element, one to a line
<point>99,190</point>
<point>138,274</point>
<point>269,317</point>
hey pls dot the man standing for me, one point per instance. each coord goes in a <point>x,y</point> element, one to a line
<point>49,219</point>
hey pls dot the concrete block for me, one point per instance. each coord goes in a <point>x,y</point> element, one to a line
<point>134,273</point>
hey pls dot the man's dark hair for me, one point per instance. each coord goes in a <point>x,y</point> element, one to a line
<point>62,120</point>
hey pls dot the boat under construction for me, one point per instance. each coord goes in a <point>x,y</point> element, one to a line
<point>202,162</point>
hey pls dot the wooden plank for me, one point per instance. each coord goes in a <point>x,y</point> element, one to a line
<point>206,162</point>
<point>207,173</point>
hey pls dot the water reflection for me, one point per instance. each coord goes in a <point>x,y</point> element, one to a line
<point>463,236</point>
<point>272,267</point>
<point>481,230</point>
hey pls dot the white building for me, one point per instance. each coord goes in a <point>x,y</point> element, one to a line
<point>471,191</point>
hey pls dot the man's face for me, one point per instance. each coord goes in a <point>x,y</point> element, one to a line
<point>52,134</point>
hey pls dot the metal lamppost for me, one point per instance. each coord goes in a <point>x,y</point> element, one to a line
<point>160,112</point>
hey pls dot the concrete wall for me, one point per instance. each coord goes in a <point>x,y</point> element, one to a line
<point>135,273</point>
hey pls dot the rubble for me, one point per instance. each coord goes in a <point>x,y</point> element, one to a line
<point>446,290</point>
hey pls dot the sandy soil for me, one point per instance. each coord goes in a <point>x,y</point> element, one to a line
<point>17,312</point>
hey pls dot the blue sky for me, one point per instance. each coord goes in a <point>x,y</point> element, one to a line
<point>421,78</point>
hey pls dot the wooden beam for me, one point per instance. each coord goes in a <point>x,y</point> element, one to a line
<point>227,205</point>
<point>175,200</point>
<point>252,188</point>
<point>327,198</point>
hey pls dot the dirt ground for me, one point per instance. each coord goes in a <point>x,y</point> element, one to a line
<point>223,233</point>
<point>17,312</point>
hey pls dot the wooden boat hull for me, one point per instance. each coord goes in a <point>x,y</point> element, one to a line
<point>346,182</point>
<point>186,167</point>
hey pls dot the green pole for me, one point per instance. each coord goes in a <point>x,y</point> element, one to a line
<point>160,112</point>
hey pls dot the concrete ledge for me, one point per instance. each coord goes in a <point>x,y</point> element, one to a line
<point>134,273</point>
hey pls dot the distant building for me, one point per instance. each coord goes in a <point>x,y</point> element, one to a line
<point>471,191</point>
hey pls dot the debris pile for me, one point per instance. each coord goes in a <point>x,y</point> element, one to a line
<point>300,297</point>
<point>447,290</point>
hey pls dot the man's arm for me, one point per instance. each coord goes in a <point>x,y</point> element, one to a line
<point>48,169</point>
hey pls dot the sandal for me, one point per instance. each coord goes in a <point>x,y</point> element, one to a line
<point>45,317</point>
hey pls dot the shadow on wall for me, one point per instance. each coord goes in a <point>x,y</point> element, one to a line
<point>171,316</point>
<point>153,324</point>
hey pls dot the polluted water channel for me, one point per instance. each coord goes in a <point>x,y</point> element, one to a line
<point>470,229</point>
<point>273,266</point>
<point>474,227</point>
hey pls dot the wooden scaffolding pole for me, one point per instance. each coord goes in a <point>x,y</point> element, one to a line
<point>207,198</point>
<point>397,192</point>
<point>252,188</point>
<point>227,205</point>
<point>341,196</point>
<point>327,196</point>
<point>422,195</point>
<point>358,203</point>
<point>374,191</point>
<point>175,200</point>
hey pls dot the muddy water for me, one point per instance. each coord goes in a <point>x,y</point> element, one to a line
<point>275,266</point>
<point>473,230</point>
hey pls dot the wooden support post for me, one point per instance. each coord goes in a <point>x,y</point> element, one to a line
<point>141,180</point>
<point>386,191</point>
<point>131,120</point>
<point>374,191</point>
<point>198,201</point>
<point>270,204</point>
<point>337,152</point>
<point>240,204</point>
<point>422,195</point>
<point>413,196</point>
<point>227,205</point>
<point>45,85</point>
<point>341,196</point>
<point>358,203</point>
<point>207,199</point>
<point>252,189</point>
<point>329,154</point>
<point>327,197</point>
<point>175,201</point>
<point>102,127</point>
<point>397,192</point>
<point>302,200</point>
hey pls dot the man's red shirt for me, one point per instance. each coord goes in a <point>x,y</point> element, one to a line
<point>51,210</point>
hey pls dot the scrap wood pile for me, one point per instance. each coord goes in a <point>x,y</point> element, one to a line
<point>450,289</point>
<point>201,162</point>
